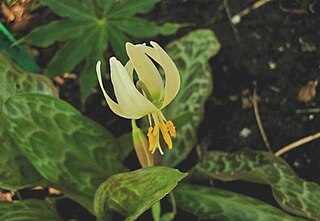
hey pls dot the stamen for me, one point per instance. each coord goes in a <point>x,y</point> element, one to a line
<point>156,130</point>
<point>165,134</point>
<point>151,139</point>
<point>171,128</point>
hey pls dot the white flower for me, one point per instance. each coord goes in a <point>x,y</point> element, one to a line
<point>149,94</point>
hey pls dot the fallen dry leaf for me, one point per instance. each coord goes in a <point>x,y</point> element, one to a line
<point>308,91</point>
<point>6,196</point>
<point>17,14</point>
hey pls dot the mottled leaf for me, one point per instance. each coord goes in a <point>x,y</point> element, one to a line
<point>216,204</point>
<point>129,8</point>
<point>15,171</point>
<point>131,194</point>
<point>69,150</point>
<point>27,210</point>
<point>191,55</point>
<point>293,194</point>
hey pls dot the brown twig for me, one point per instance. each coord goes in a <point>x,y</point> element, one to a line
<point>237,17</point>
<point>228,12</point>
<point>297,144</point>
<point>258,119</point>
<point>308,111</point>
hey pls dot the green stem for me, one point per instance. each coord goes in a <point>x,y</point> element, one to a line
<point>156,211</point>
<point>174,205</point>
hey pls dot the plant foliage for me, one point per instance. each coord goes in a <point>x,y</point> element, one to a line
<point>86,30</point>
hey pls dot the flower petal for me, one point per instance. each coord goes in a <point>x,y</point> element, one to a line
<point>130,100</point>
<point>113,105</point>
<point>146,70</point>
<point>171,72</point>
<point>129,68</point>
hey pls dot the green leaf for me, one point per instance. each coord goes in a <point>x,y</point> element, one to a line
<point>293,194</point>
<point>70,9</point>
<point>125,144</point>
<point>60,30</point>
<point>118,41</point>
<point>27,210</point>
<point>215,204</point>
<point>171,28</point>
<point>69,150</point>
<point>191,55</point>
<point>131,194</point>
<point>71,54</point>
<point>129,8</point>
<point>88,76</point>
<point>14,80</point>
<point>106,6</point>
<point>140,28</point>
<point>15,171</point>
<point>16,52</point>
<point>89,5</point>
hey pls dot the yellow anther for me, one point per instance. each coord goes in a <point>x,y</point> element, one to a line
<point>151,138</point>
<point>155,131</point>
<point>165,135</point>
<point>171,128</point>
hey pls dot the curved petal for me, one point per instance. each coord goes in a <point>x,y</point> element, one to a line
<point>171,72</point>
<point>113,105</point>
<point>130,100</point>
<point>146,70</point>
<point>129,68</point>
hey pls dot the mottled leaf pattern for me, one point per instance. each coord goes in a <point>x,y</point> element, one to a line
<point>71,151</point>
<point>191,55</point>
<point>15,171</point>
<point>14,80</point>
<point>293,194</point>
<point>216,204</point>
<point>28,210</point>
<point>131,194</point>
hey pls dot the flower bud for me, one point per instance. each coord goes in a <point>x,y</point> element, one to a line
<point>141,146</point>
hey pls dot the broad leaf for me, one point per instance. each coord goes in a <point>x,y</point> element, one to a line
<point>71,151</point>
<point>131,194</point>
<point>71,54</point>
<point>15,171</point>
<point>27,210</point>
<point>216,204</point>
<point>70,9</point>
<point>141,28</point>
<point>61,30</point>
<point>129,8</point>
<point>191,55</point>
<point>88,78</point>
<point>118,41</point>
<point>293,194</point>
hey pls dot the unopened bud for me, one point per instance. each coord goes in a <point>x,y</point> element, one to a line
<point>141,146</point>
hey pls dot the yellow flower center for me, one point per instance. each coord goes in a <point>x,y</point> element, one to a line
<point>167,130</point>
